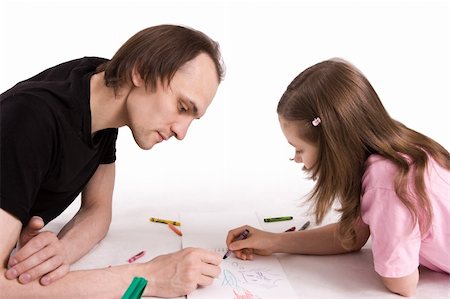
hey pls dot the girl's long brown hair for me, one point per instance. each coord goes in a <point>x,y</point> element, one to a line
<point>354,124</point>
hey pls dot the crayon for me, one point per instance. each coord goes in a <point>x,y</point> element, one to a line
<point>136,256</point>
<point>274,219</point>
<point>290,229</point>
<point>158,220</point>
<point>175,230</point>
<point>241,236</point>
<point>305,226</point>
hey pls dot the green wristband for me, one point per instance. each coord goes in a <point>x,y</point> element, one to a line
<point>136,288</point>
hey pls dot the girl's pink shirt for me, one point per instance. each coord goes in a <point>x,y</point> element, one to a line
<point>398,246</point>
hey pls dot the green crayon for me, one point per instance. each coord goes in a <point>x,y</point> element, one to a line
<point>274,219</point>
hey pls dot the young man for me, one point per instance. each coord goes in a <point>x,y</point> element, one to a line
<point>58,134</point>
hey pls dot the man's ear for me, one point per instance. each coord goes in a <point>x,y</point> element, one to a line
<point>136,78</point>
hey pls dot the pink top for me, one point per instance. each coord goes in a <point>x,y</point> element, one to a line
<point>397,249</point>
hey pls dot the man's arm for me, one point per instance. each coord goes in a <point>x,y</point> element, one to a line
<point>44,255</point>
<point>169,275</point>
<point>71,286</point>
<point>91,223</point>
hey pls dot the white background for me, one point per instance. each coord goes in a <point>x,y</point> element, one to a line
<point>236,158</point>
<point>236,155</point>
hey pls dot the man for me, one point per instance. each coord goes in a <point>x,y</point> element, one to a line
<point>58,134</point>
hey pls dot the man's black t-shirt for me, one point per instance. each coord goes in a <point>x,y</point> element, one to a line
<point>47,151</point>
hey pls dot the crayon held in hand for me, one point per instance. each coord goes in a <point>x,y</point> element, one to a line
<point>241,236</point>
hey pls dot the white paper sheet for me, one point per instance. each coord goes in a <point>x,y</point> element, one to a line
<point>261,278</point>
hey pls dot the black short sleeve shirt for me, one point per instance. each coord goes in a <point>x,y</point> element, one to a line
<point>47,151</point>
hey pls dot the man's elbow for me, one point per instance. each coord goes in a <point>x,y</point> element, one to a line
<point>6,285</point>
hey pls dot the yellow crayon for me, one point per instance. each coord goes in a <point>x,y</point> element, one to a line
<point>165,221</point>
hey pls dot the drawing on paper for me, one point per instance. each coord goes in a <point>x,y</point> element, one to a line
<point>261,278</point>
<point>240,279</point>
<point>230,280</point>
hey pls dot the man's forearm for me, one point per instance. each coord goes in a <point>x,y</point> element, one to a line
<point>99,283</point>
<point>88,227</point>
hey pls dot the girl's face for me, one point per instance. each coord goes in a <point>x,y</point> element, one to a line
<point>305,152</point>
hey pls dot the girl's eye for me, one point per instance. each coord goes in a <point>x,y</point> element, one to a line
<point>299,152</point>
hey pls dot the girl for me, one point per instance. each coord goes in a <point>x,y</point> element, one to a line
<point>391,182</point>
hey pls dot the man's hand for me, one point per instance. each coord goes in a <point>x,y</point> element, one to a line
<point>180,273</point>
<point>41,255</point>
<point>31,230</point>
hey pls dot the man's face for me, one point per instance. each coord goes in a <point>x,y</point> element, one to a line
<point>154,116</point>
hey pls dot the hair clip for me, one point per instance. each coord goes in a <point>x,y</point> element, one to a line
<point>316,121</point>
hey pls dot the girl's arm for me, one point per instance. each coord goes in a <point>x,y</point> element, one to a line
<point>319,241</point>
<point>405,286</point>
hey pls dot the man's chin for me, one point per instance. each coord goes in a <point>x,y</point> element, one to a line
<point>144,145</point>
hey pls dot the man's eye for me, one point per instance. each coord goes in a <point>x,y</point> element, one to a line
<point>181,108</point>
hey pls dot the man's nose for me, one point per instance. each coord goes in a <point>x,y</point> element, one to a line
<point>180,129</point>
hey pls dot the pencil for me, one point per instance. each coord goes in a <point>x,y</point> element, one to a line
<point>176,230</point>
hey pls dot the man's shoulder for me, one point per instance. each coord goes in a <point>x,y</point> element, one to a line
<point>64,70</point>
<point>83,62</point>
<point>56,76</point>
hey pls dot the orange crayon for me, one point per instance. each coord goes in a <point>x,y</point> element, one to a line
<point>176,230</point>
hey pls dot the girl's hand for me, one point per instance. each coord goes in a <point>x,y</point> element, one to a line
<point>258,242</point>
<point>41,255</point>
